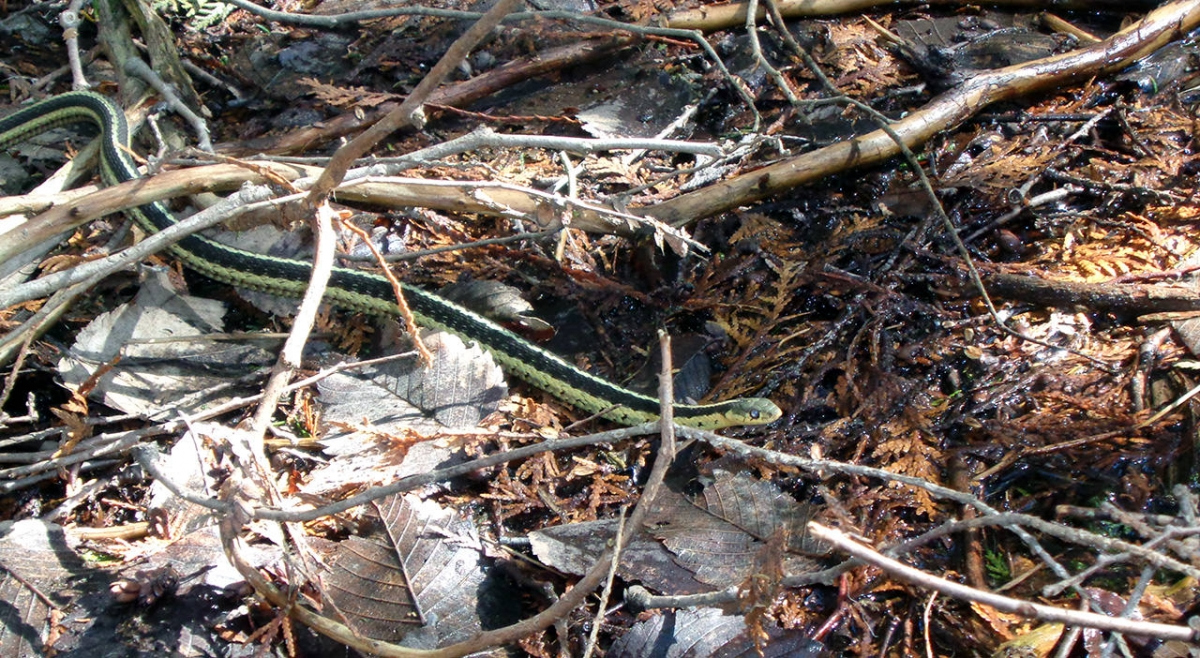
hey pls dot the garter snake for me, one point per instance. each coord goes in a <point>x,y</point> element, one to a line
<point>364,291</point>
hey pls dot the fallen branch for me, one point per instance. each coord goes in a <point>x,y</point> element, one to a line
<point>459,94</point>
<point>1131,298</point>
<point>480,197</point>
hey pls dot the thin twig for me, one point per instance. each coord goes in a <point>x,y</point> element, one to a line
<point>246,200</point>
<point>69,21</point>
<point>757,52</point>
<point>606,592</point>
<point>148,454</point>
<point>293,349</point>
<point>410,321</point>
<point>1002,603</point>
<point>135,66</point>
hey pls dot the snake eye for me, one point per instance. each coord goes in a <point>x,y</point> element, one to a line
<point>754,414</point>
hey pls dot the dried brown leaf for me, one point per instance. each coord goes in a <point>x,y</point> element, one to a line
<point>345,97</point>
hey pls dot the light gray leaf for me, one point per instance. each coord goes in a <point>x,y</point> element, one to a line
<point>36,562</point>
<point>461,387</point>
<point>574,548</point>
<point>269,239</point>
<point>694,545</point>
<point>164,358</point>
<point>186,465</point>
<point>707,633</point>
<point>497,301</point>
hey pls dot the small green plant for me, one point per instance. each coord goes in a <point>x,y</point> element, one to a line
<point>91,556</point>
<point>997,567</point>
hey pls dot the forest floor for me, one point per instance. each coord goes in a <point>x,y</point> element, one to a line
<point>955,247</point>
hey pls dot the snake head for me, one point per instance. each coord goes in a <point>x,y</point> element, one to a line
<point>734,413</point>
<point>752,411</point>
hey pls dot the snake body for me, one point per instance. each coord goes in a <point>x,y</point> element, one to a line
<point>365,291</point>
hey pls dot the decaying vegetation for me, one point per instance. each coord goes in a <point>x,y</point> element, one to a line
<point>954,245</point>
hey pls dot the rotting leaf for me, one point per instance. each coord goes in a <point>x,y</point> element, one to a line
<point>719,538</point>
<point>73,418</point>
<point>574,547</point>
<point>345,97</point>
<point>642,11</point>
<point>418,576</point>
<point>719,534</point>
<point>999,168</point>
<point>1039,641</point>
<point>37,564</point>
<point>705,633</point>
<point>757,321</point>
<point>912,455</point>
<point>858,63</point>
<point>497,301</point>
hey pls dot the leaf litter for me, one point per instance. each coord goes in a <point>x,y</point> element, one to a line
<point>844,304</point>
